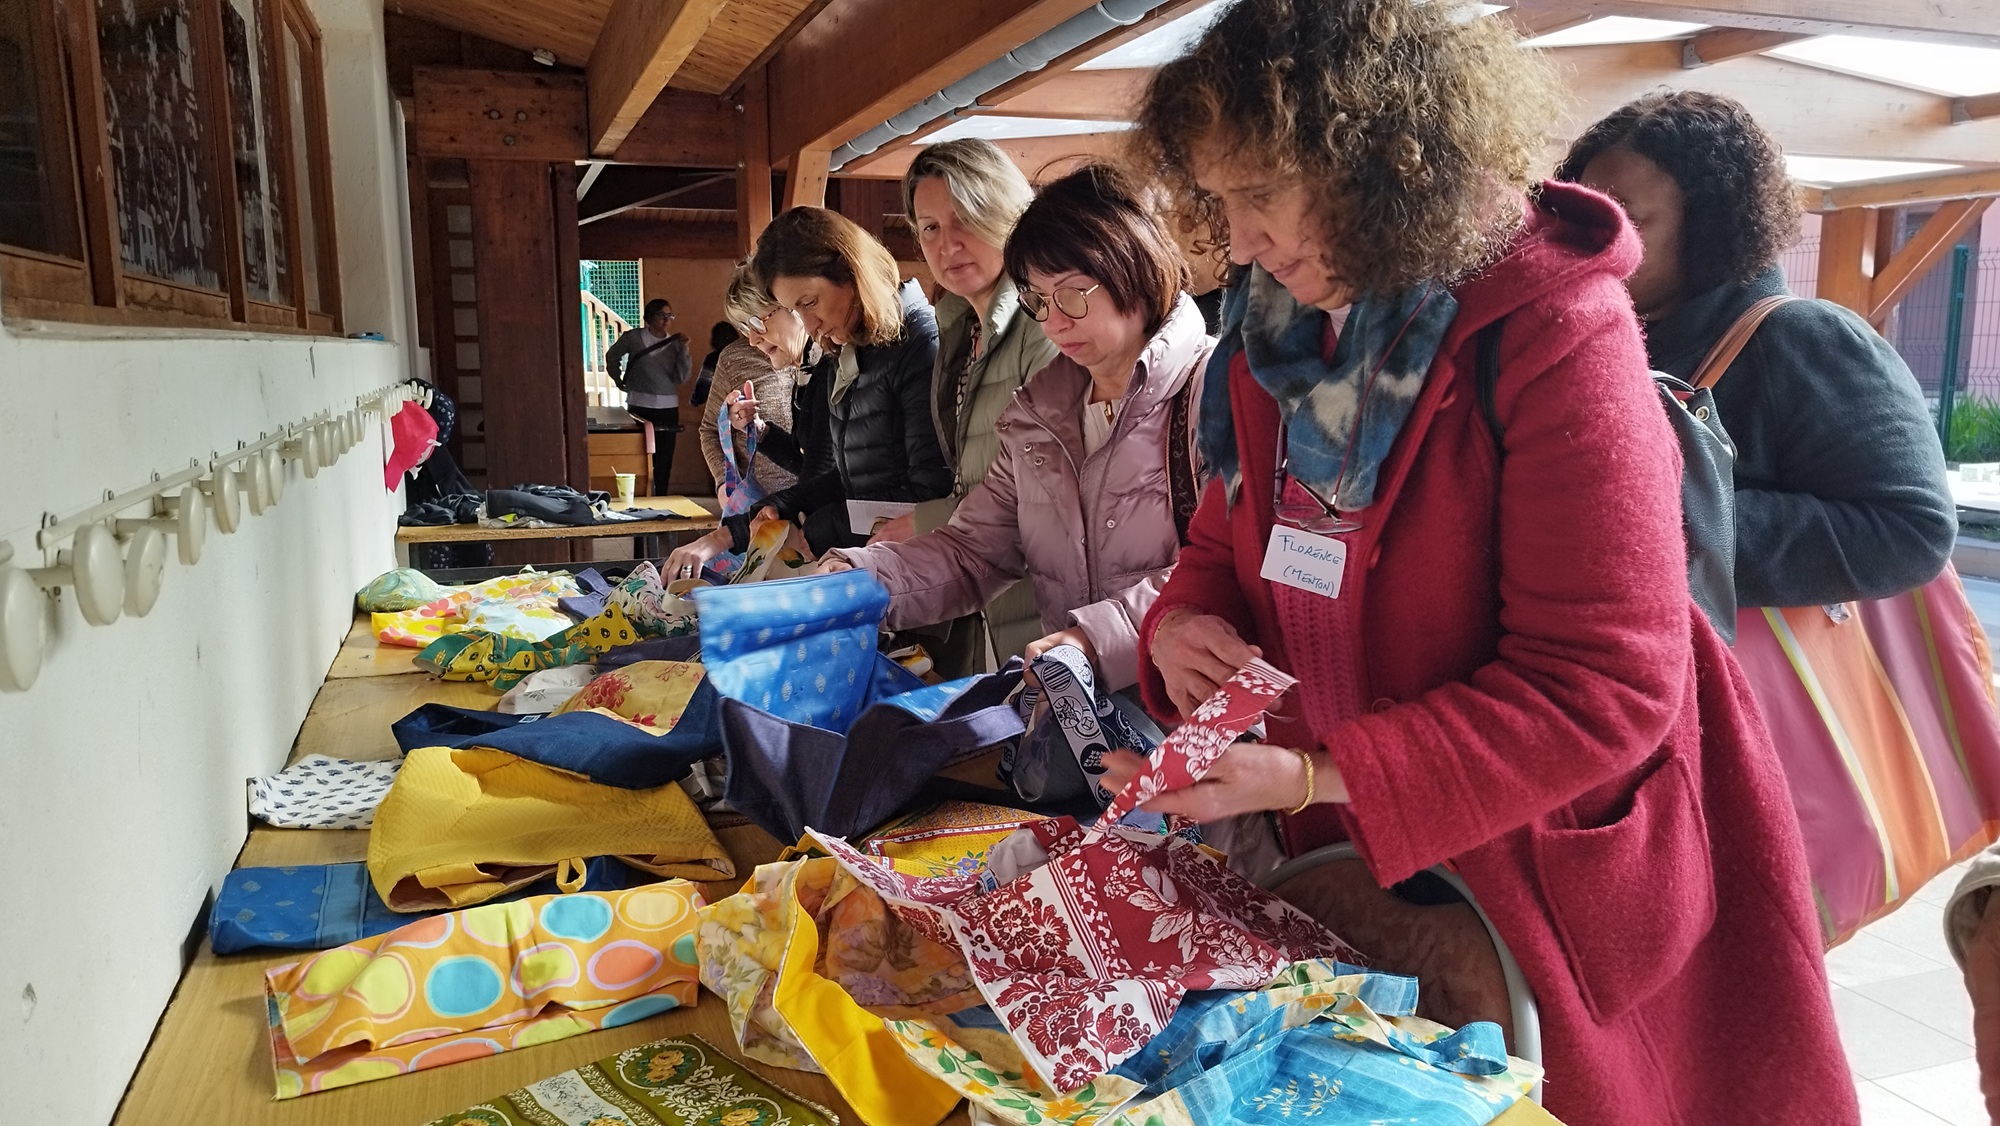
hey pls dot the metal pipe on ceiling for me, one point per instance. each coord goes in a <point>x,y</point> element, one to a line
<point>1032,55</point>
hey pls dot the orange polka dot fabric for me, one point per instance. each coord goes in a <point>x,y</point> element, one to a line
<point>479,982</point>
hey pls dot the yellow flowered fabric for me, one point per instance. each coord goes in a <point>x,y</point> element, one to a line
<point>504,661</point>
<point>479,982</point>
<point>653,693</point>
<point>761,951</point>
<point>520,606</point>
<point>949,839</point>
<point>461,826</point>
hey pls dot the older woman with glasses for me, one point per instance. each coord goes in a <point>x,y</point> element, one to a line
<point>765,366</point>
<point>1093,478</point>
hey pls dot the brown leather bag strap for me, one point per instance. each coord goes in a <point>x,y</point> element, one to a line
<point>1731,345</point>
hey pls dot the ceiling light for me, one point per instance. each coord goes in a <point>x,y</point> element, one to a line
<point>995,127</point>
<point>1615,29</point>
<point>1830,170</point>
<point>1941,68</point>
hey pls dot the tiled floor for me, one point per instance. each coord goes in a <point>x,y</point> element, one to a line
<point>1906,1020</point>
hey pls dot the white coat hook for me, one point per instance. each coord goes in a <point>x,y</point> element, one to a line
<point>23,626</point>
<point>145,566</point>
<point>329,441</point>
<point>256,484</point>
<point>304,449</point>
<point>225,498</point>
<point>93,565</point>
<point>354,429</point>
<point>184,517</point>
<point>274,473</point>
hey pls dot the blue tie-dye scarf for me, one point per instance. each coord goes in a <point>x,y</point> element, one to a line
<point>1391,339</point>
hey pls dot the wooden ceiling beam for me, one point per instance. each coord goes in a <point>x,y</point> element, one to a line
<point>805,178</point>
<point>1974,23</point>
<point>1531,21</point>
<point>498,114</point>
<point>1977,108</point>
<point>1896,193</point>
<point>821,97</point>
<point>1808,109</point>
<point>1894,280</point>
<point>753,162</point>
<point>683,129</point>
<point>1087,95</point>
<point>1720,44</point>
<point>1039,158</point>
<point>1067,63</point>
<point>641,45</point>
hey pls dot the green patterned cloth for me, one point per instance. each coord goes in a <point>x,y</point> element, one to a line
<point>680,1081</point>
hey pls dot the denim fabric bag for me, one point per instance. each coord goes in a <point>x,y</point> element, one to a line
<point>603,749</point>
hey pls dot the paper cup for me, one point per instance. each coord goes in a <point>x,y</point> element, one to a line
<point>627,482</point>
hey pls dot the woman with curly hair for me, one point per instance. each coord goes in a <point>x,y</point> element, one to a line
<point>1840,484</point>
<point>1501,667</point>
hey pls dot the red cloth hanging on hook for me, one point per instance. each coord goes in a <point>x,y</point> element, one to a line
<point>413,435</point>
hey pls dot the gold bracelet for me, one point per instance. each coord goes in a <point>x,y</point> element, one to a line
<point>1305,757</point>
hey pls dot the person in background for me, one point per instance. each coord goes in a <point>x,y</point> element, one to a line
<point>649,363</point>
<point>1500,664</point>
<point>720,335</point>
<point>862,424</point>
<point>1840,478</point>
<point>962,198</point>
<point>1081,496</point>
<point>769,358</point>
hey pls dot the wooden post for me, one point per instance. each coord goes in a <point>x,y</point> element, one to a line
<point>102,248</point>
<point>753,161</point>
<point>805,180</point>
<point>1847,257</point>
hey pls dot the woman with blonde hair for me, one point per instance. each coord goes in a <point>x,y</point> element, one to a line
<point>770,360</point>
<point>862,427</point>
<point>1500,664</point>
<point>962,198</point>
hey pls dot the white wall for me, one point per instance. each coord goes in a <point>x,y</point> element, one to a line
<point>121,772</point>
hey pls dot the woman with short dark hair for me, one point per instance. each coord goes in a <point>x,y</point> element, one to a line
<point>1840,482</point>
<point>1501,667</point>
<point>1095,453</point>
<point>649,363</point>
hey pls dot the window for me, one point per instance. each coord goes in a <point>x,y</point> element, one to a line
<point>209,120</point>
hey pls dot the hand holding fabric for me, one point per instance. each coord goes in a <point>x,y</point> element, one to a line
<point>831,564</point>
<point>1070,636</point>
<point>1196,655</point>
<point>688,559</point>
<point>1250,778</point>
<point>742,406</point>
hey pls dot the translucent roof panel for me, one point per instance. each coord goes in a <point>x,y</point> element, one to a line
<point>1163,44</point>
<point>1941,68</point>
<point>1616,29</point>
<point>1846,170</point>
<point>995,127</point>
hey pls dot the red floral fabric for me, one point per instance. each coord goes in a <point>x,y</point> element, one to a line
<point>1086,958</point>
<point>1186,756</point>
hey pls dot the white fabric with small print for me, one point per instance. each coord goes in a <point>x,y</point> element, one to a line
<point>321,792</point>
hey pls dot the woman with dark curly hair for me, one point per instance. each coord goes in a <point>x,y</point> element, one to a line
<point>1501,667</point>
<point>1840,485</point>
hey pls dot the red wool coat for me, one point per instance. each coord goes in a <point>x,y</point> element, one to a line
<point>1515,681</point>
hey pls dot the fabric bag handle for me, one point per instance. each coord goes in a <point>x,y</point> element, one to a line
<point>1731,345</point>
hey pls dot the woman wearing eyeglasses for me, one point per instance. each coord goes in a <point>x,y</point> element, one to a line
<point>1095,450</point>
<point>862,423</point>
<point>1501,667</point>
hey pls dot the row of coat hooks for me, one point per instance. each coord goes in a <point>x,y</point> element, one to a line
<point>114,560</point>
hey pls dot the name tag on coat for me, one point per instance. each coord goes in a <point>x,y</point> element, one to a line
<point>1305,560</point>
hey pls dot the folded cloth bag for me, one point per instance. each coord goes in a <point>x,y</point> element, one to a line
<point>481,656</point>
<point>317,906</point>
<point>947,839</point>
<point>480,982</point>
<point>404,588</point>
<point>1085,958</point>
<point>801,649</point>
<point>649,606</point>
<point>462,825</point>
<point>523,606</point>
<point>540,693</point>
<point>1345,1051</point>
<point>790,776</point>
<point>679,1081</point>
<point>588,602</point>
<point>322,792</point>
<point>760,951</point>
<point>596,744</point>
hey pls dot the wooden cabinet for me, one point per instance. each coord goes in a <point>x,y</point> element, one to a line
<point>620,451</point>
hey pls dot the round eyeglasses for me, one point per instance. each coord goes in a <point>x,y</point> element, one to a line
<point>1073,302</point>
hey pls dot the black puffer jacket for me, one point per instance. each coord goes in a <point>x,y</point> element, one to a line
<point>880,437</point>
<point>1840,482</point>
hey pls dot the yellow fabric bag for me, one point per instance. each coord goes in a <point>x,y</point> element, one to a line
<point>459,827</point>
<point>654,693</point>
<point>760,951</point>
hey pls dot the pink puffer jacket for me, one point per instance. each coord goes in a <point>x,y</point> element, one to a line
<point>1096,535</point>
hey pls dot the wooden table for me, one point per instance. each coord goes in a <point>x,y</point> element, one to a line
<point>479,533</point>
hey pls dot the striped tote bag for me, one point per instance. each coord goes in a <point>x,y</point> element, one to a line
<point>1885,717</point>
